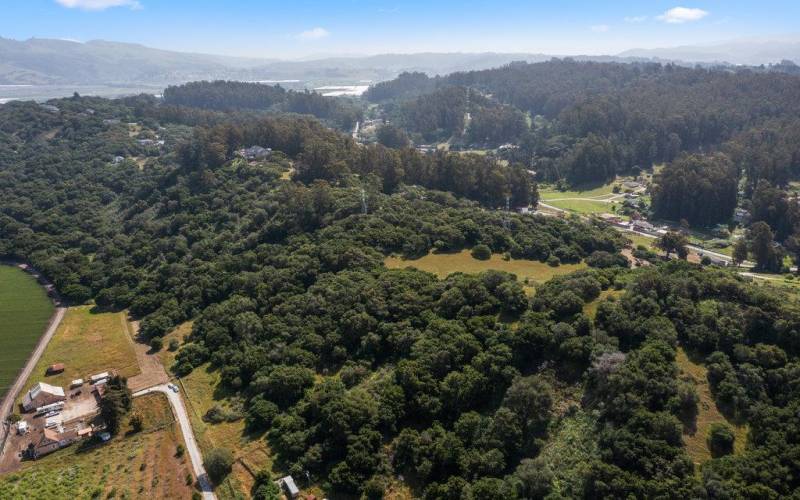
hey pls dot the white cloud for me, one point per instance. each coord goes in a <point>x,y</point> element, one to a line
<point>313,34</point>
<point>636,19</point>
<point>679,15</point>
<point>600,28</point>
<point>99,4</point>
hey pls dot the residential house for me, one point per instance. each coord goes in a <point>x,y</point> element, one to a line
<point>52,440</point>
<point>642,225</point>
<point>254,153</point>
<point>42,394</point>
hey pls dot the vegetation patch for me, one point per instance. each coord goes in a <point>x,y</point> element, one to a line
<point>569,454</point>
<point>696,440</point>
<point>24,314</point>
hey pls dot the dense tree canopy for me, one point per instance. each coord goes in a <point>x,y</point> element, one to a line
<point>358,374</point>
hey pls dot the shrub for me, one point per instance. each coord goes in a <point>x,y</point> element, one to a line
<point>156,344</point>
<point>173,345</point>
<point>720,440</point>
<point>481,252</point>
<point>179,450</point>
<point>553,261</point>
<point>218,463</point>
<point>136,422</point>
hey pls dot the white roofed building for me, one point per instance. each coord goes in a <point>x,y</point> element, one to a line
<point>42,394</point>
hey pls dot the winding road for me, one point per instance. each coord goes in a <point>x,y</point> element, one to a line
<point>196,457</point>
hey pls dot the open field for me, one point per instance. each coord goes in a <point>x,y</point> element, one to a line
<point>594,191</point>
<point>87,343</point>
<point>200,391</point>
<point>638,239</point>
<point>707,414</point>
<point>25,311</point>
<point>586,207</point>
<point>141,465</point>
<point>443,264</point>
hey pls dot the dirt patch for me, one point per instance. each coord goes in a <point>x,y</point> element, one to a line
<point>152,371</point>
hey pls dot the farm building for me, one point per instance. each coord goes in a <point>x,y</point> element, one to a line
<point>42,394</point>
<point>55,368</point>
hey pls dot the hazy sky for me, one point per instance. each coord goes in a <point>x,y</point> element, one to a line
<point>301,28</point>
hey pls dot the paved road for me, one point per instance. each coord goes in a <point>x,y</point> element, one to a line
<point>188,435</point>
<point>8,402</point>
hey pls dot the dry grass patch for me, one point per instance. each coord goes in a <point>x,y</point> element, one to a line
<point>444,264</point>
<point>87,342</point>
<point>707,414</point>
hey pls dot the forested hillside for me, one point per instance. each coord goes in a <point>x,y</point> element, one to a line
<point>359,375</point>
<point>243,96</point>
<point>716,139</point>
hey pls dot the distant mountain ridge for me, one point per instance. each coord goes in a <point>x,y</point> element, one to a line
<point>62,62</point>
<point>744,52</point>
<point>57,62</point>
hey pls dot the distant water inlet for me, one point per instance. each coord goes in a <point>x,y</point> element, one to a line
<point>25,311</point>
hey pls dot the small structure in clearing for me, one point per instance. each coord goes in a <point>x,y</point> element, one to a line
<point>55,368</point>
<point>288,485</point>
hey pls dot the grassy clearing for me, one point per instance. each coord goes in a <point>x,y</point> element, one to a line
<point>444,264</point>
<point>24,313</point>
<point>590,309</point>
<point>141,465</point>
<point>201,391</point>
<point>582,206</point>
<point>638,239</point>
<point>87,343</point>
<point>589,191</point>
<point>708,413</point>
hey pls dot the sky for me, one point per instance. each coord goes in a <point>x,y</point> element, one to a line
<point>291,29</point>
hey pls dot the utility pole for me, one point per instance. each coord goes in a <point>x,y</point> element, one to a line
<point>363,202</point>
<point>506,221</point>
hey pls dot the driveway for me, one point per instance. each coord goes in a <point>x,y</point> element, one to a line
<point>188,436</point>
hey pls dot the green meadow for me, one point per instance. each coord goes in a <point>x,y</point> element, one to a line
<point>24,313</point>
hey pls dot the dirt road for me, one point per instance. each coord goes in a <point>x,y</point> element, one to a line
<point>188,436</point>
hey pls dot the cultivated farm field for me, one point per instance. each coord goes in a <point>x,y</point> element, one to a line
<point>24,313</point>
